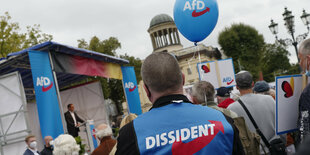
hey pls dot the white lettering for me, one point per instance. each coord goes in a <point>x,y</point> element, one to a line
<point>177,134</point>
<point>212,128</point>
<point>39,82</point>
<point>194,132</point>
<point>157,141</point>
<point>164,139</point>
<point>187,6</point>
<point>200,5</point>
<point>46,81</point>
<point>148,144</point>
<point>203,130</point>
<point>183,136</point>
<point>193,4</point>
<point>171,137</point>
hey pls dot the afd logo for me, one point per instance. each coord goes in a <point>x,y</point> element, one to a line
<point>228,80</point>
<point>196,5</point>
<point>45,83</point>
<point>130,86</point>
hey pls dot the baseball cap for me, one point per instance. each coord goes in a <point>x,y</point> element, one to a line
<point>244,79</point>
<point>261,86</point>
<point>223,92</point>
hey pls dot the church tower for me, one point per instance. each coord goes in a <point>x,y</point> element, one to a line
<point>164,34</point>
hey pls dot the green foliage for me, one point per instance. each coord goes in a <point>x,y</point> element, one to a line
<point>79,140</point>
<point>249,51</point>
<point>244,44</point>
<point>11,40</point>
<point>274,61</point>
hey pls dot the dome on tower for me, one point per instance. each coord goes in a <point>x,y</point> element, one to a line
<point>161,18</point>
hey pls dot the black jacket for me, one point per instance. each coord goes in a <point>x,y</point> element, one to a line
<point>72,130</point>
<point>47,151</point>
<point>127,140</point>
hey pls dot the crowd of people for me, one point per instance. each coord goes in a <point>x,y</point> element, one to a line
<point>209,123</point>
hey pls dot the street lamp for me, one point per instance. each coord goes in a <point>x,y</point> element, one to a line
<point>290,26</point>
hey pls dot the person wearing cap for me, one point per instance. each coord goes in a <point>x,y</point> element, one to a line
<point>223,97</point>
<point>261,107</point>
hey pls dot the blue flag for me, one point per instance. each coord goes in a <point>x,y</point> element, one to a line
<point>46,97</point>
<point>131,90</point>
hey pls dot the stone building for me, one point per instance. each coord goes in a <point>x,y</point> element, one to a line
<point>165,37</point>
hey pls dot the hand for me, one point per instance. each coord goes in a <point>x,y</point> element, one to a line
<point>78,125</point>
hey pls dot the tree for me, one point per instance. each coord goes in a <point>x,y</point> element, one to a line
<point>11,40</point>
<point>245,45</point>
<point>274,61</point>
<point>112,88</point>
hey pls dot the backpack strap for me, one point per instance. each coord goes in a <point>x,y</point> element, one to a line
<point>254,123</point>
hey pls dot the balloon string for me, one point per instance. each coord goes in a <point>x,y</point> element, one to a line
<point>195,43</point>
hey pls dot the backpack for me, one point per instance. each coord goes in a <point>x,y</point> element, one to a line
<point>250,140</point>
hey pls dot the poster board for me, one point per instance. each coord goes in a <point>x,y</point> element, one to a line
<point>288,91</point>
<point>219,73</point>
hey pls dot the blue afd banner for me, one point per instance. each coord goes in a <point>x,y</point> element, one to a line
<point>131,90</point>
<point>46,97</point>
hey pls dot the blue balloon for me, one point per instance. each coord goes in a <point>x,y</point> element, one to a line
<point>195,19</point>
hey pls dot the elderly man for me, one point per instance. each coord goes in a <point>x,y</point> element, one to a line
<point>48,149</point>
<point>203,93</point>
<point>104,133</point>
<point>223,97</point>
<point>261,107</point>
<point>31,145</point>
<point>65,144</point>
<point>304,100</point>
<point>174,125</point>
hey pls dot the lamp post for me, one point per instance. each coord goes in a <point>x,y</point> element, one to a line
<point>290,26</point>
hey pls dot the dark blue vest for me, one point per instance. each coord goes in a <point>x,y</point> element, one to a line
<point>184,128</point>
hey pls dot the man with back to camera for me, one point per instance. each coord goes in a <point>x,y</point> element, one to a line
<point>174,125</point>
<point>223,97</point>
<point>304,100</point>
<point>203,93</point>
<point>31,142</point>
<point>261,107</point>
<point>73,120</point>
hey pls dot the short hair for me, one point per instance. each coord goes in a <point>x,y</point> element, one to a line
<point>127,119</point>
<point>160,72</point>
<point>304,47</point>
<point>244,80</point>
<point>203,90</point>
<point>28,137</point>
<point>69,105</point>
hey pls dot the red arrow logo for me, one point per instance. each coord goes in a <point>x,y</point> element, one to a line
<point>228,83</point>
<point>197,14</point>
<point>132,89</point>
<point>180,148</point>
<point>44,89</point>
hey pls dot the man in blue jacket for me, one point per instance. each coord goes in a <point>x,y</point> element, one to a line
<point>174,125</point>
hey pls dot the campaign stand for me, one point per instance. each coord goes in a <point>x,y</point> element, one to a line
<point>90,133</point>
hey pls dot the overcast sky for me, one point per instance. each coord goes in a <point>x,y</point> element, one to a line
<point>128,20</point>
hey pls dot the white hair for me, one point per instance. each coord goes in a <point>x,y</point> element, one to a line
<point>104,132</point>
<point>65,145</point>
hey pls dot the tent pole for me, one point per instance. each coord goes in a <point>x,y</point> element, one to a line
<point>58,95</point>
